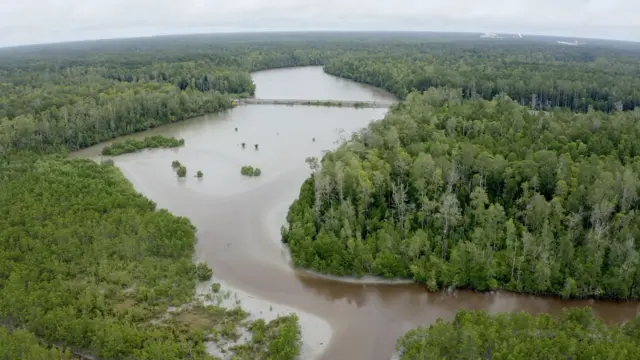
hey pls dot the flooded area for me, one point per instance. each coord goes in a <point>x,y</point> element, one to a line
<point>239,219</point>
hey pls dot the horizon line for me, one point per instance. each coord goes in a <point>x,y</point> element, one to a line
<point>301,31</point>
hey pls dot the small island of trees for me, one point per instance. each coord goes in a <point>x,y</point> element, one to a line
<point>133,145</point>
<point>250,171</point>
<point>182,171</point>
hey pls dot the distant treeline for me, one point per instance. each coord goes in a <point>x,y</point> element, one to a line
<point>70,96</point>
<point>541,77</point>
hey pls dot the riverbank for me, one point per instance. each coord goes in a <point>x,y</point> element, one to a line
<point>238,220</point>
<point>316,332</point>
<point>276,218</point>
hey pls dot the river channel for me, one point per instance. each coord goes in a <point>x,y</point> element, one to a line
<point>238,219</point>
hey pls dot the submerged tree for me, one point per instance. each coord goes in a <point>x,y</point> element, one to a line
<point>203,271</point>
<point>182,171</point>
<point>199,174</point>
<point>250,171</point>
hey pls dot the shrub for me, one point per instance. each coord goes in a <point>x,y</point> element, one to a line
<point>203,272</point>
<point>215,287</point>
<point>250,171</point>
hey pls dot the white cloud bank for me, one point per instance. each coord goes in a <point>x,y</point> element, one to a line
<point>42,21</point>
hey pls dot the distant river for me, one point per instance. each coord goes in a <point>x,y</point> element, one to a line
<point>238,219</point>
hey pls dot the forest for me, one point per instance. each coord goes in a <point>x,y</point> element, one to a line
<point>74,95</point>
<point>21,344</point>
<point>464,193</point>
<point>88,263</point>
<point>536,77</point>
<point>455,188</point>
<point>576,334</point>
<point>84,258</point>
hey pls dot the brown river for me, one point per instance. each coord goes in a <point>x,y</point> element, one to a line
<point>238,219</point>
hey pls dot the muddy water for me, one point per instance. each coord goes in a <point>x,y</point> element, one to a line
<point>238,219</point>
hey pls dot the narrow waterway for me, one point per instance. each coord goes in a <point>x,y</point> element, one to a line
<point>238,219</point>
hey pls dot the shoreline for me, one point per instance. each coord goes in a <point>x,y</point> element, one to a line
<point>315,332</point>
<point>273,218</point>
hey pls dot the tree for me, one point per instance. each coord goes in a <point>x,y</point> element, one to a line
<point>477,334</point>
<point>203,272</point>
<point>484,200</point>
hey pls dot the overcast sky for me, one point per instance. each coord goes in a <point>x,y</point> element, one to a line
<point>43,21</point>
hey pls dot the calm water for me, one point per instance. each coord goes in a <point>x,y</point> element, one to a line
<point>238,219</point>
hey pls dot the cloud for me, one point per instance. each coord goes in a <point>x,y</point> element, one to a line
<point>41,21</point>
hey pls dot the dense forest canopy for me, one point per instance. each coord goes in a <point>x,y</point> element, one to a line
<point>23,345</point>
<point>449,189</point>
<point>577,334</point>
<point>541,77</point>
<point>83,255</point>
<point>480,194</point>
<point>89,264</point>
<point>77,94</point>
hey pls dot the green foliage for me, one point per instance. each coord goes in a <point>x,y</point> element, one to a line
<point>577,334</point>
<point>478,194</point>
<point>132,145</point>
<point>182,171</point>
<point>215,287</point>
<point>280,339</point>
<point>122,109</point>
<point>75,96</point>
<point>203,271</point>
<point>56,98</point>
<point>175,164</point>
<point>22,345</point>
<point>250,171</point>
<point>537,75</point>
<point>86,261</point>
<point>468,194</point>
<point>107,162</point>
<point>199,174</point>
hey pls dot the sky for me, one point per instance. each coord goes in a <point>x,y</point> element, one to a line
<point>43,21</point>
